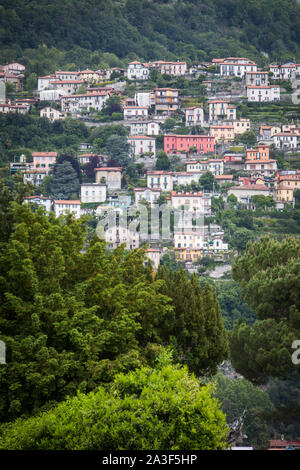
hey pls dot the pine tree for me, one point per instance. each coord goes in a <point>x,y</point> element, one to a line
<point>195,328</point>
<point>64,182</point>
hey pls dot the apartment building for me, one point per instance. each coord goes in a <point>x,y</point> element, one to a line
<point>141,144</point>
<point>194,116</point>
<point>159,179</point>
<point>263,93</point>
<point>166,100</point>
<point>174,143</point>
<point>93,192</point>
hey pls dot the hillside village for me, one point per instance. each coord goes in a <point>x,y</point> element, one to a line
<point>214,142</point>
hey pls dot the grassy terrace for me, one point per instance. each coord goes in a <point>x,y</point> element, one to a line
<point>269,112</point>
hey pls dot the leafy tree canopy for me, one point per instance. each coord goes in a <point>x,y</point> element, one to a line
<point>160,408</point>
<point>268,273</point>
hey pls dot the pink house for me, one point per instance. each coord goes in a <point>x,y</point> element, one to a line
<point>182,143</point>
<point>44,160</point>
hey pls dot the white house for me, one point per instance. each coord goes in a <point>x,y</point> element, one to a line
<point>189,239</point>
<point>46,202</point>
<point>135,112</point>
<point>275,70</point>
<point>92,192</point>
<point>261,167</point>
<point>216,243</point>
<point>170,68</point>
<point>286,140</point>
<point>244,193</point>
<point>84,102</point>
<point>190,200</point>
<point>63,207</point>
<point>144,128</point>
<point>138,71</point>
<point>187,177</point>
<point>34,176</point>
<point>160,179</point>
<point>52,114</point>
<point>237,68</point>
<point>143,99</point>
<point>148,194</point>
<point>287,70</point>
<point>214,165</point>
<point>194,116</point>
<point>45,83</point>
<point>141,144</point>
<point>117,235</point>
<point>50,95</point>
<point>263,93</point>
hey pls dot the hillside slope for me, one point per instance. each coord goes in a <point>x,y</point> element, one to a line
<point>194,29</point>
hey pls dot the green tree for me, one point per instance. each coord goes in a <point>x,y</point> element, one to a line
<point>236,396</point>
<point>232,199</point>
<point>72,315</point>
<point>64,181</point>
<point>263,202</point>
<point>248,138</point>
<point>268,273</point>
<point>161,408</point>
<point>208,182</point>
<point>118,149</point>
<point>31,82</point>
<point>113,105</point>
<point>196,328</point>
<point>241,237</point>
<point>162,161</point>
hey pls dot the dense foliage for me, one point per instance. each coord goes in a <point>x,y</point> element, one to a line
<point>239,395</point>
<point>269,274</point>
<point>73,315</point>
<point>196,327</point>
<point>161,408</point>
<point>229,295</point>
<point>192,29</point>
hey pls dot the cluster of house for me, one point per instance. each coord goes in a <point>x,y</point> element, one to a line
<point>257,81</point>
<point>13,73</point>
<point>105,195</point>
<point>64,86</point>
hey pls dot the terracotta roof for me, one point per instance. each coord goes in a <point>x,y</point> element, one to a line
<point>147,189</point>
<point>62,201</point>
<point>221,127</point>
<point>38,197</point>
<point>111,168</point>
<point>260,161</point>
<point>254,187</point>
<point>44,154</point>
<point>96,93</point>
<point>186,194</point>
<point>189,136</point>
<point>141,137</point>
<point>223,177</point>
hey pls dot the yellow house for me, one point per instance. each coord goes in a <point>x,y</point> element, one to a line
<point>240,126</point>
<point>188,254</point>
<point>284,193</point>
<point>89,76</point>
<point>223,133</point>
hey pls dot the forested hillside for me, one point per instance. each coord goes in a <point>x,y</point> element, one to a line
<point>191,29</point>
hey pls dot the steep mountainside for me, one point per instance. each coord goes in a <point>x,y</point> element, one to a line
<point>150,29</point>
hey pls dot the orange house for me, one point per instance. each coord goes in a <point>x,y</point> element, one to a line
<point>262,152</point>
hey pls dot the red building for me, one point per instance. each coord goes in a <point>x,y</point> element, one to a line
<point>182,143</point>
